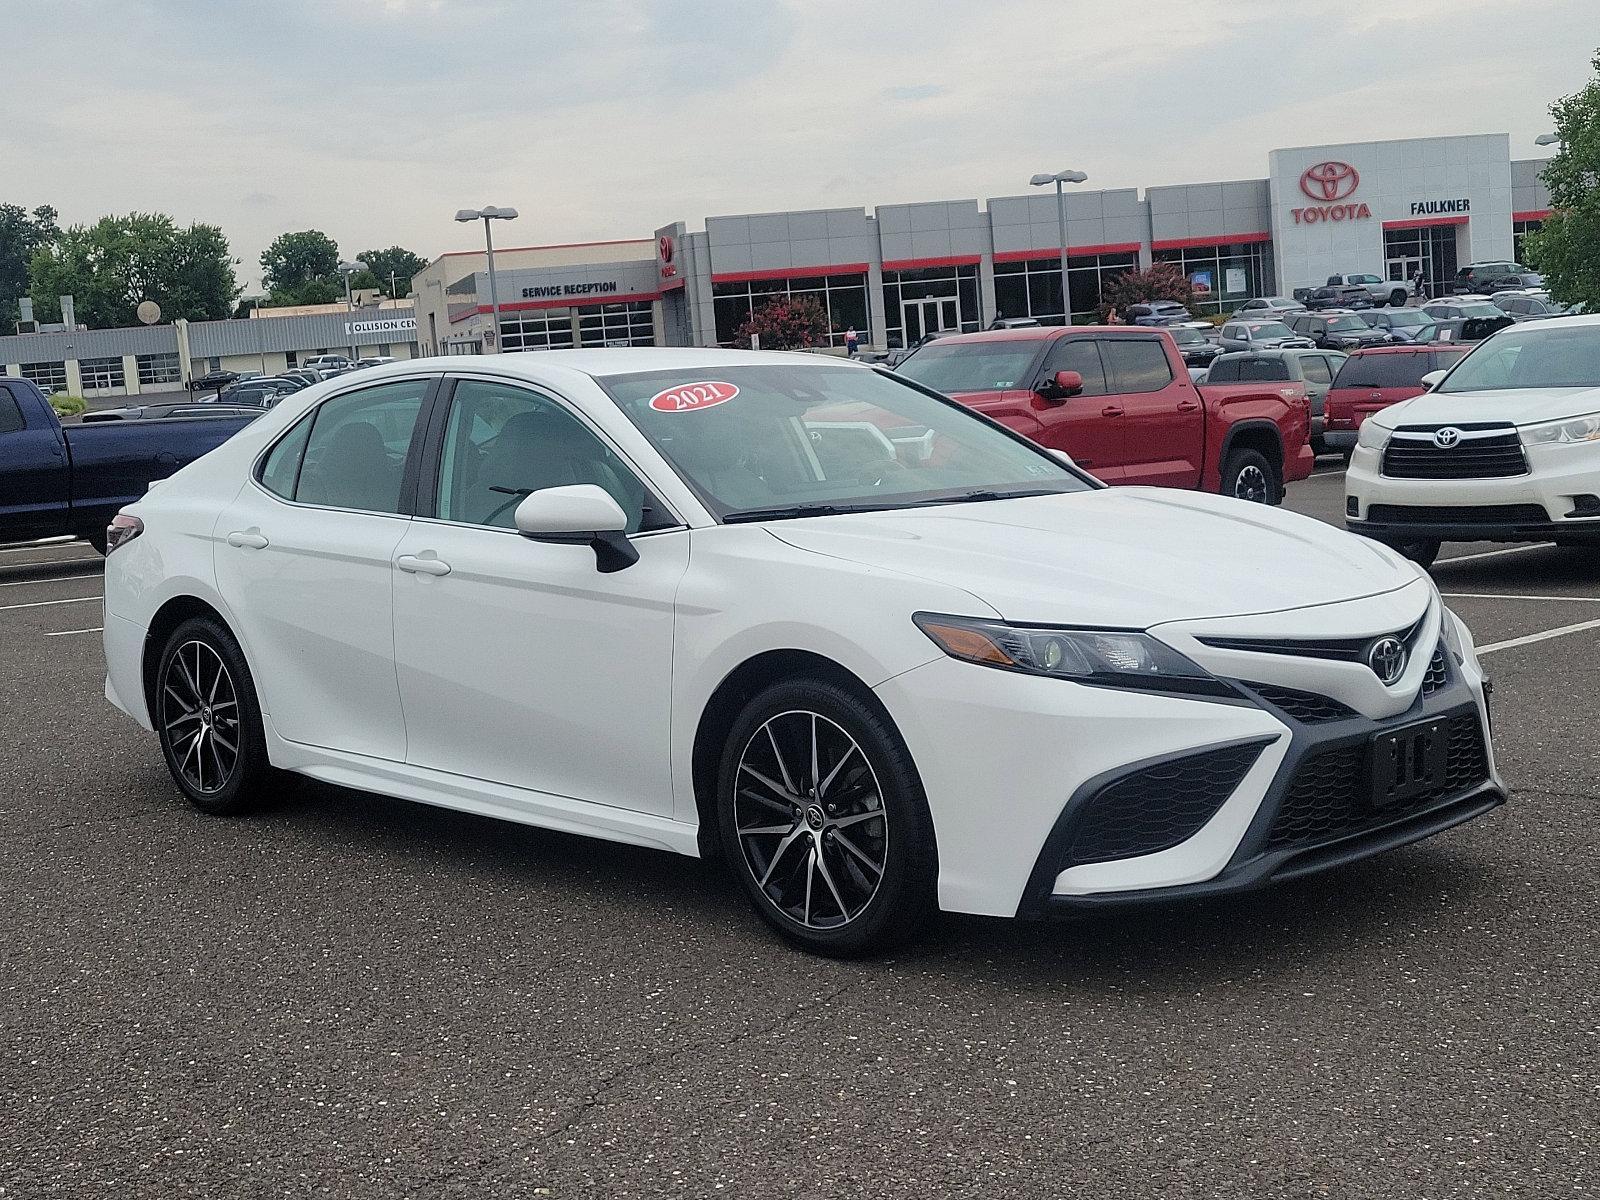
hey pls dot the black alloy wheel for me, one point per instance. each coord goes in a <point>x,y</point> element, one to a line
<point>205,711</point>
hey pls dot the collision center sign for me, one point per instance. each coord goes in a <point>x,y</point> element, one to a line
<point>383,325</point>
<point>1326,183</point>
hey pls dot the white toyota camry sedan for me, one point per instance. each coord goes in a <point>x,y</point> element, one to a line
<point>878,654</point>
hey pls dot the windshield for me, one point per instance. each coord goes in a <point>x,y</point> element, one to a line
<point>1188,337</point>
<point>1351,323</point>
<point>1270,329</point>
<point>1406,318</point>
<point>1528,356</point>
<point>767,442</point>
<point>1481,308</point>
<point>973,366</point>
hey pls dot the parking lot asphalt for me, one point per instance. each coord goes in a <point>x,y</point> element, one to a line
<point>346,995</point>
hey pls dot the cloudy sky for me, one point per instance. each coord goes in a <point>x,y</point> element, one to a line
<point>374,120</point>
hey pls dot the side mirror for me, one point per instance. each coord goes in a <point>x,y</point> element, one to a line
<point>581,513</point>
<point>1433,378</point>
<point>1062,385</point>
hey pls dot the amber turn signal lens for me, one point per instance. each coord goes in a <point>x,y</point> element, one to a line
<point>970,644</point>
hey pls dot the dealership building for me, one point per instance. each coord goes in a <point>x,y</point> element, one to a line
<point>1394,208</point>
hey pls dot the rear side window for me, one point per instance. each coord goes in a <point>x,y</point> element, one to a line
<point>281,470</point>
<point>1136,364</point>
<point>1265,370</point>
<point>354,452</point>
<point>1224,370</point>
<point>1383,370</point>
<point>10,412</point>
<point>1315,368</point>
<point>1081,355</point>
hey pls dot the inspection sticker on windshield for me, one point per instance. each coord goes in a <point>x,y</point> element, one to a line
<point>689,396</point>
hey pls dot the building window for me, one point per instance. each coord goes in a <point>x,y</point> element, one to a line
<point>843,298</point>
<point>1032,287</point>
<point>1225,275</point>
<point>916,301</point>
<point>544,329</point>
<point>157,369</point>
<point>50,376</point>
<point>1519,231</point>
<point>628,324</point>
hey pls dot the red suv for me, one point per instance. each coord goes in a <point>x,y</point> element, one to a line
<point>1119,400</point>
<point>1374,379</point>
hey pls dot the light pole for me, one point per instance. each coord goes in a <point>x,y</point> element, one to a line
<point>486,214</point>
<point>1058,178</point>
<point>261,336</point>
<point>347,269</point>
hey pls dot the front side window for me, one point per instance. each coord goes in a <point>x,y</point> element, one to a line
<point>355,455</point>
<point>503,442</point>
<point>1136,364</point>
<point>766,442</point>
<point>1081,355</point>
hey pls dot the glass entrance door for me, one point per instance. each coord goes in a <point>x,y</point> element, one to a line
<point>919,317</point>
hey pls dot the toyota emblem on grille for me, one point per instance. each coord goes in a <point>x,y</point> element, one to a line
<point>1447,437</point>
<point>1387,658</point>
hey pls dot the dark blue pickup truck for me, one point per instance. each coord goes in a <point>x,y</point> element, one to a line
<point>57,479</point>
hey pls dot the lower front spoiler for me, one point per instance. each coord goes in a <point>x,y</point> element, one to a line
<point>1393,534</point>
<point>1279,866</point>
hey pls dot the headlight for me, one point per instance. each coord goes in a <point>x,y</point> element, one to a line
<point>1372,435</point>
<point>1573,429</point>
<point>1110,657</point>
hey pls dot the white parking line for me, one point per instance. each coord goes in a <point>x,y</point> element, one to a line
<point>48,603</point>
<point>1493,553</point>
<point>70,632</point>
<point>1561,631</point>
<point>1512,596</point>
<point>52,579</point>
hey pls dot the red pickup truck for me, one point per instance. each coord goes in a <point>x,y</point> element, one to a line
<point>1370,380</point>
<point>1119,401</point>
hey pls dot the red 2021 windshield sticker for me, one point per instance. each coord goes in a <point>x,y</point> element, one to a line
<point>687,397</point>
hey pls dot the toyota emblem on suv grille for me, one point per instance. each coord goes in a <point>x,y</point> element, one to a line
<point>1387,658</point>
<point>1447,437</point>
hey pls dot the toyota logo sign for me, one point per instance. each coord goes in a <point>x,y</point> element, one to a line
<point>665,245</point>
<point>1387,658</point>
<point>1329,181</point>
<point>1447,437</point>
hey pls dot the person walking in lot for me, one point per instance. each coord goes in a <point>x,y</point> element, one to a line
<point>1418,284</point>
<point>852,343</point>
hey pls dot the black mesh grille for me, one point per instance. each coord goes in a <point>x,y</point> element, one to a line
<point>1329,795</point>
<point>1307,707</point>
<point>1438,672</point>
<point>1158,807</point>
<point>1470,458</point>
<point>1467,514</point>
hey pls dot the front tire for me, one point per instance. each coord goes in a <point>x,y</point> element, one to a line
<point>1398,298</point>
<point>1422,553</point>
<point>1249,475</point>
<point>208,719</point>
<point>823,818</point>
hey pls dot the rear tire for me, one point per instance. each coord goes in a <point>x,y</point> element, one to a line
<point>1398,298</point>
<point>205,711</point>
<point>1248,475</point>
<point>822,817</point>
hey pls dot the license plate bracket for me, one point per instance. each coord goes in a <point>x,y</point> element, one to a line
<point>1408,762</point>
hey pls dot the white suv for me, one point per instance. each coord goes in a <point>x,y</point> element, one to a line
<point>1505,447</point>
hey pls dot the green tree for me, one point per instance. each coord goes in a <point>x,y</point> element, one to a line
<point>302,268</point>
<point>785,323</point>
<point>403,263</point>
<point>21,233</point>
<point>110,266</point>
<point>1567,248</point>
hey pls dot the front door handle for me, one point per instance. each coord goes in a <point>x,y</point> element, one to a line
<point>247,539</point>
<point>418,565</point>
<point>1111,410</point>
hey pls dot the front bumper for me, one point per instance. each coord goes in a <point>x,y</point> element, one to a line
<point>1316,814</point>
<point>1532,507</point>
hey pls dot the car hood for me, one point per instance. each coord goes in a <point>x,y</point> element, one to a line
<point>1128,557</point>
<point>1520,406</point>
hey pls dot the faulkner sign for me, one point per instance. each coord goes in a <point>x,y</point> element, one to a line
<point>555,290</point>
<point>1430,208</point>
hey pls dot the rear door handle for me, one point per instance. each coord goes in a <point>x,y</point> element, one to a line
<point>1188,406</point>
<point>1111,410</point>
<point>247,539</point>
<point>422,566</point>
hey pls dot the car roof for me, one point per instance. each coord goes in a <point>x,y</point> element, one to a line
<point>1411,348</point>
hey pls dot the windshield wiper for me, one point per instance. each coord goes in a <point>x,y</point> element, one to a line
<point>988,494</point>
<point>792,512</point>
